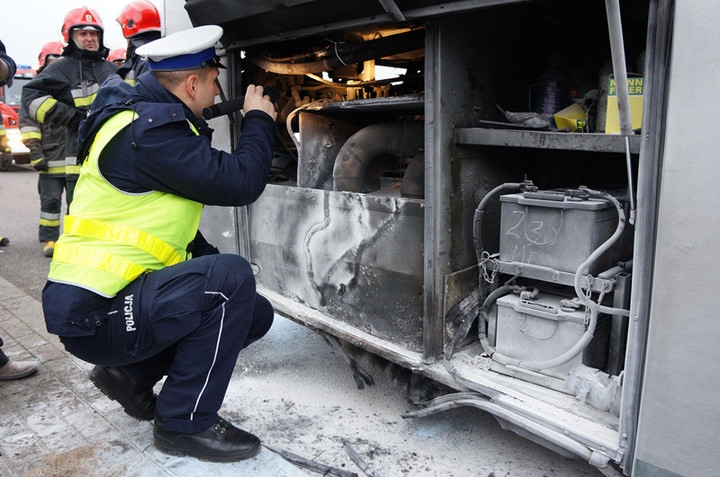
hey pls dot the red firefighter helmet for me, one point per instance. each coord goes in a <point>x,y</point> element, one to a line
<point>80,17</point>
<point>50,48</point>
<point>138,16</point>
<point>117,55</point>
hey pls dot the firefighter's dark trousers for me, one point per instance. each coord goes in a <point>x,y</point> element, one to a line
<point>70,183</point>
<point>51,189</point>
<point>189,322</point>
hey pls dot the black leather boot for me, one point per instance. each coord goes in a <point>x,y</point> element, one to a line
<point>119,386</point>
<point>222,442</point>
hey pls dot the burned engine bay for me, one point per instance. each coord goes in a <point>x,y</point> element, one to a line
<point>408,214</point>
<point>336,77</point>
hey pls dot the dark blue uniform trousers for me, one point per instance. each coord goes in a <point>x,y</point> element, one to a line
<point>188,321</point>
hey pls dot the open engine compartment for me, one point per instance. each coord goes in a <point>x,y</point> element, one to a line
<point>417,211</point>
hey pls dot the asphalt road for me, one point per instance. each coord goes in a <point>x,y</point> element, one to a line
<point>294,390</point>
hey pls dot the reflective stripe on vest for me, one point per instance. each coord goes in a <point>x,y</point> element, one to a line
<point>115,265</point>
<point>111,237</point>
<point>120,233</point>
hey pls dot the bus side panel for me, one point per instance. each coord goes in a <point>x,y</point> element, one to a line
<point>354,257</point>
<point>679,412</point>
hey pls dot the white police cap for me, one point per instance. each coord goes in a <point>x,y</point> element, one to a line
<point>183,50</point>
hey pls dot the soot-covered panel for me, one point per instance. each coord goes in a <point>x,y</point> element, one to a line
<point>357,258</point>
<point>244,20</point>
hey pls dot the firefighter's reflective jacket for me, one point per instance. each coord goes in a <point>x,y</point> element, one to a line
<point>62,94</point>
<point>47,145</point>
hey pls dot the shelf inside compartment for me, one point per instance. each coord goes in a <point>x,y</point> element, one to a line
<point>592,142</point>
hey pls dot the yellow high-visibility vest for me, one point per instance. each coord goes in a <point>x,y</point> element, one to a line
<point>111,237</point>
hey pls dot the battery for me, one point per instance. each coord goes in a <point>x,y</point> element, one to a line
<point>551,230</point>
<point>541,328</point>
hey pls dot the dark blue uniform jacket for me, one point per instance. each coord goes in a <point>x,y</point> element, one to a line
<point>159,151</point>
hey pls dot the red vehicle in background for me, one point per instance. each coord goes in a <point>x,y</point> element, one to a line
<point>10,97</point>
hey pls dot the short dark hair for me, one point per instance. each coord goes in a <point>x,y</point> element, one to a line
<point>171,79</point>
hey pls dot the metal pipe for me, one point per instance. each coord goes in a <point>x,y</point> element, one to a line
<point>399,138</point>
<point>619,326</point>
<point>392,9</point>
<point>474,400</point>
<point>413,183</point>
<point>617,49</point>
<point>631,195</point>
<point>621,267</point>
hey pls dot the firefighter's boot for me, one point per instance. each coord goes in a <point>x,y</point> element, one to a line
<point>49,248</point>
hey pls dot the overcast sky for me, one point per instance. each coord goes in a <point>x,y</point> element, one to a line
<point>26,25</point>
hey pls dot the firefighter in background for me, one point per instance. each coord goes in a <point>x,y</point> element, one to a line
<point>63,92</point>
<point>117,56</point>
<point>140,23</point>
<point>46,143</point>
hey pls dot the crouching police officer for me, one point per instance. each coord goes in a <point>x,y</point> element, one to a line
<point>121,293</point>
